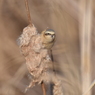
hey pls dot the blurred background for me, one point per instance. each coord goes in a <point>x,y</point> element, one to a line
<point>65,17</point>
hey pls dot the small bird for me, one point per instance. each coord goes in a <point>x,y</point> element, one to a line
<point>48,38</point>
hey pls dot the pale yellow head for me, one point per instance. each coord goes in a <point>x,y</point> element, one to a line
<point>49,35</point>
<point>48,38</point>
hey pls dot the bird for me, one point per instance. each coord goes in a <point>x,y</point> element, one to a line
<point>48,38</point>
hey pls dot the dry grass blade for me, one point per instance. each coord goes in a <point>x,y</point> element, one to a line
<point>93,83</point>
<point>85,20</point>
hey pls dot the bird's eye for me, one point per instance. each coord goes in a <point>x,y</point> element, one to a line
<point>47,34</point>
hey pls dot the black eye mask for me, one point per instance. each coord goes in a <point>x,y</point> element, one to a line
<point>47,34</point>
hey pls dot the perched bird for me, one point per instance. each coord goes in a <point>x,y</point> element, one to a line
<point>48,38</point>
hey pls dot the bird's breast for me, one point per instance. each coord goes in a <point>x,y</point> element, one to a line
<point>47,45</point>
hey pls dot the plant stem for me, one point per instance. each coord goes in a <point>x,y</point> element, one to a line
<point>28,12</point>
<point>43,88</point>
<point>85,27</point>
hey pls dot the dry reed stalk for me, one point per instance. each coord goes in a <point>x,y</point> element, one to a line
<point>30,22</point>
<point>85,20</point>
<point>28,12</point>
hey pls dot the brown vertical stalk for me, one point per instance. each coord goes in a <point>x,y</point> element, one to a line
<point>85,37</point>
<point>30,22</point>
<point>43,88</point>
<point>28,12</point>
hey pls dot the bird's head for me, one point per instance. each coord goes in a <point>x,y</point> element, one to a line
<point>49,35</point>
